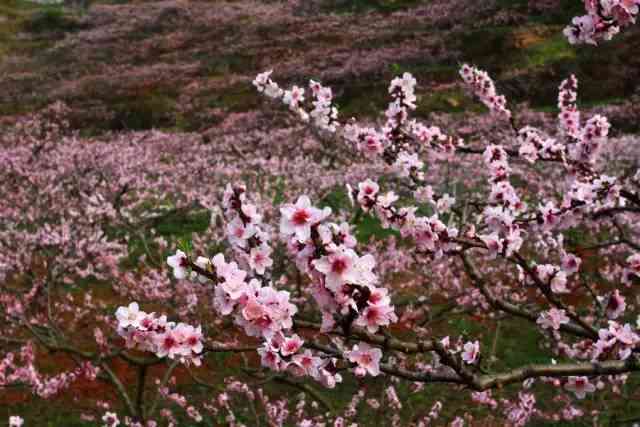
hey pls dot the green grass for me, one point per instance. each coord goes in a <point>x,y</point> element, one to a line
<point>454,100</point>
<point>363,98</point>
<point>237,98</point>
<point>50,20</point>
<point>548,51</point>
<point>152,110</point>
<point>560,15</point>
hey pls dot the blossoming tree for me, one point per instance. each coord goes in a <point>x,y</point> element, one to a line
<point>538,225</point>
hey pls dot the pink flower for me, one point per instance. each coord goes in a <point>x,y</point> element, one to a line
<point>556,278</point>
<point>293,97</point>
<point>570,263</point>
<point>552,319</point>
<point>366,357</point>
<point>260,258</point>
<point>291,345</point>
<point>484,398</point>
<point>367,192</point>
<point>559,283</point>
<point>483,87</point>
<point>192,339</point>
<point>262,79</point>
<point>338,268</point>
<point>375,316</point>
<point>379,296</point>
<point>327,378</point>
<point>267,86</point>
<point>493,243</point>
<point>343,234</point>
<point>167,344</point>
<point>234,278</point>
<point>392,396</point>
<point>194,414</point>
<point>297,219</point>
<point>270,358</point>
<point>470,353</point>
<point>615,305</point>
<point>444,203</point>
<point>580,386</point>
<point>238,233</point>
<point>307,363</point>
<point>372,144</point>
<point>253,310</point>
<point>16,421</point>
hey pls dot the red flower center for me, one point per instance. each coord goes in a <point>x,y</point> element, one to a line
<point>301,217</point>
<point>372,314</point>
<point>169,342</point>
<point>338,266</point>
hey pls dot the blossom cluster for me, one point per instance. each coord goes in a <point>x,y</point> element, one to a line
<point>323,113</point>
<point>503,223</point>
<point>16,421</point>
<point>430,234</point>
<point>282,354</point>
<point>245,231</point>
<point>604,19</point>
<point>262,311</point>
<point>20,368</point>
<point>618,340</point>
<point>343,285</point>
<point>483,87</point>
<point>153,333</point>
<point>343,282</point>
<point>505,235</point>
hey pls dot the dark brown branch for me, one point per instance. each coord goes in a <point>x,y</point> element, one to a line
<point>406,347</point>
<point>513,309</point>
<point>610,367</point>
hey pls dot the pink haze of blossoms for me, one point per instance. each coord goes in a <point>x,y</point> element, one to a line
<point>314,302</point>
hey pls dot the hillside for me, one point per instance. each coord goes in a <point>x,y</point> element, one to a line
<point>185,65</point>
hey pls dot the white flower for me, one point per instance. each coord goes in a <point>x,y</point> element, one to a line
<point>262,79</point>
<point>129,316</point>
<point>293,97</point>
<point>110,419</point>
<point>179,263</point>
<point>580,386</point>
<point>445,202</point>
<point>471,351</point>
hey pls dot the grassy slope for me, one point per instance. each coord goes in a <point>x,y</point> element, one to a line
<point>528,57</point>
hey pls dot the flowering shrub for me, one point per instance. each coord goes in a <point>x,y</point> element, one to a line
<point>533,224</point>
<point>604,19</point>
